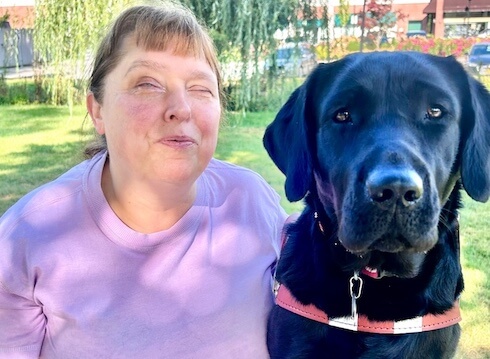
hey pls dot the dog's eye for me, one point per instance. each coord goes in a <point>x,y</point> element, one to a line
<point>342,116</point>
<point>434,112</point>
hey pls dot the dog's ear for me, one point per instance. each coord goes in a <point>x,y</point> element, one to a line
<point>475,165</point>
<point>285,141</point>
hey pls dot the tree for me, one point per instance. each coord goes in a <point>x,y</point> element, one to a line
<point>344,14</point>
<point>343,18</point>
<point>4,19</point>
<point>379,18</point>
<point>66,32</point>
<point>244,34</point>
<point>9,41</point>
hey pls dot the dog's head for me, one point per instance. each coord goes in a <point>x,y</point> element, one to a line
<point>382,138</point>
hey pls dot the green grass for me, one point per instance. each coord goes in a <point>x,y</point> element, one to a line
<point>475,301</point>
<point>38,143</point>
<point>240,142</point>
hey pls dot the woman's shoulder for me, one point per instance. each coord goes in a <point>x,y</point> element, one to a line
<point>244,191</point>
<point>231,168</point>
<point>48,197</point>
<point>233,174</point>
<point>224,178</point>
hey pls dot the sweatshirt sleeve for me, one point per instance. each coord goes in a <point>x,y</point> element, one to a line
<point>22,326</point>
<point>22,322</point>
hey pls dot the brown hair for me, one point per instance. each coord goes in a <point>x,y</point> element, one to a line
<point>153,28</point>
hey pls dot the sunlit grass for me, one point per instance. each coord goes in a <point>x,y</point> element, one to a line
<point>475,301</point>
<point>37,144</point>
<point>243,145</point>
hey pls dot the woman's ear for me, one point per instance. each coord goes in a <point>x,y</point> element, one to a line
<point>94,110</point>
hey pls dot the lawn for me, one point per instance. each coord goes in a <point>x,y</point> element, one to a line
<point>38,143</point>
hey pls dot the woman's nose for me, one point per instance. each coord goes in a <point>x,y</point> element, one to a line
<point>178,107</point>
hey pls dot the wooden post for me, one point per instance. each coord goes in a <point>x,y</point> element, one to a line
<point>439,23</point>
<point>363,25</point>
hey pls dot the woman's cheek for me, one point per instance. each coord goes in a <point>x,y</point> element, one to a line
<point>210,116</point>
<point>137,111</point>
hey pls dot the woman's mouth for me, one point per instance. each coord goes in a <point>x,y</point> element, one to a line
<point>178,141</point>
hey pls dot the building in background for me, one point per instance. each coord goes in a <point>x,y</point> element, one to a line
<point>413,10</point>
<point>440,18</point>
<point>16,26</point>
<point>460,18</point>
<point>20,13</point>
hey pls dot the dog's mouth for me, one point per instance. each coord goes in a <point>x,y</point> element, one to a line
<point>394,243</point>
<point>389,244</point>
<point>372,272</point>
<point>405,264</point>
<point>377,274</point>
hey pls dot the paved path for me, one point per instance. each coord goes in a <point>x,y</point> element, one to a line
<point>14,73</point>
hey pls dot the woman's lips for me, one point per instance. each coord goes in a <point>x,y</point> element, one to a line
<point>178,141</point>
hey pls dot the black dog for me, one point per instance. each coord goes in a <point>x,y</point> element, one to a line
<point>379,145</point>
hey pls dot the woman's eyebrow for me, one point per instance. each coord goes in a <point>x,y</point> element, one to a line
<point>196,74</point>
<point>154,65</point>
<point>202,75</point>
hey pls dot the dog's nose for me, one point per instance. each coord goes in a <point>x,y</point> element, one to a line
<point>388,186</point>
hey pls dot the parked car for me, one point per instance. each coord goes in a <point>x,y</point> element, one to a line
<point>416,33</point>
<point>484,33</point>
<point>479,58</point>
<point>293,60</point>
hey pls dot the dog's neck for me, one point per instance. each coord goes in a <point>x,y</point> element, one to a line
<point>332,267</point>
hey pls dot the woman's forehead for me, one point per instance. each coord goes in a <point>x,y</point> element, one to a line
<point>178,43</point>
<point>175,47</point>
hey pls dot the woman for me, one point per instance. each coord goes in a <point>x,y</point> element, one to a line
<point>151,248</point>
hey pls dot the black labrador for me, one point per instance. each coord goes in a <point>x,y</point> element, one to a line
<point>379,146</point>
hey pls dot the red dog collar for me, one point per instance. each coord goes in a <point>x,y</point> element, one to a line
<point>360,323</point>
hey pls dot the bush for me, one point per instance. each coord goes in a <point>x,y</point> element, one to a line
<point>270,96</point>
<point>340,47</point>
<point>21,92</point>
<point>443,47</point>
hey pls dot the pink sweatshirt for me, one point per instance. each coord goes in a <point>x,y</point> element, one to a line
<point>76,282</point>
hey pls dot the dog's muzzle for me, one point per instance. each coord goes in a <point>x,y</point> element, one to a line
<point>398,186</point>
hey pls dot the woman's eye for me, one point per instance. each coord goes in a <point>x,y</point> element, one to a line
<point>204,91</point>
<point>145,85</point>
<point>145,82</point>
<point>434,112</point>
<point>342,116</point>
<point>147,88</point>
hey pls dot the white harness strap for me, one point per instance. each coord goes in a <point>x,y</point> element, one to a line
<point>360,323</point>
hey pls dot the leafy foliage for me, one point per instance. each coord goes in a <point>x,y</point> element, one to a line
<point>344,13</point>
<point>440,46</point>
<point>244,34</point>
<point>20,92</point>
<point>379,18</point>
<point>66,31</point>
<point>4,19</point>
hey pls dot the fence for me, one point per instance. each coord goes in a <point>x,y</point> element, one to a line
<point>16,48</point>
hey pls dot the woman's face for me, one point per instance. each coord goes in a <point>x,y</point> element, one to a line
<point>160,113</point>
